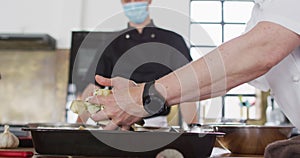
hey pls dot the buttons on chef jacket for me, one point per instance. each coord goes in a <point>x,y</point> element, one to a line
<point>127,36</point>
<point>296,79</point>
<point>152,35</point>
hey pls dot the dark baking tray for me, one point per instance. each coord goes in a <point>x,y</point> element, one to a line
<point>76,142</point>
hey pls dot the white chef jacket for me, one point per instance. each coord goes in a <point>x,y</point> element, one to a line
<point>284,79</point>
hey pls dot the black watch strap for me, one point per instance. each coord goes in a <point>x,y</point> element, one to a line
<point>154,103</point>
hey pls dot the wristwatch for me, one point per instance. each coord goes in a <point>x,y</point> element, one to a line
<point>154,103</point>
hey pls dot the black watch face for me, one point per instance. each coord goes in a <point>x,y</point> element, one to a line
<point>154,106</point>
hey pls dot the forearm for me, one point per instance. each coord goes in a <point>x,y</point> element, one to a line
<point>231,64</point>
<point>189,112</point>
<point>198,80</point>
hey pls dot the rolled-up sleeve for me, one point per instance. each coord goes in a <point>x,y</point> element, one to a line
<point>283,12</point>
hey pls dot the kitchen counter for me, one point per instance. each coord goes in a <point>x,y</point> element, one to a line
<point>217,153</point>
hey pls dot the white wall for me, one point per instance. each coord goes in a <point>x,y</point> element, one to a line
<point>59,17</point>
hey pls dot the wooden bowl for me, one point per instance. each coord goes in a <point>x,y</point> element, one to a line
<point>248,139</point>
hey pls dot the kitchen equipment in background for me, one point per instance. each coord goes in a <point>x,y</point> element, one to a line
<point>27,41</point>
<point>86,50</point>
<point>274,114</point>
<point>250,139</point>
<point>245,104</point>
<point>75,142</point>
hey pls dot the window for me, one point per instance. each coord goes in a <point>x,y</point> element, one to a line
<point>212,23</point>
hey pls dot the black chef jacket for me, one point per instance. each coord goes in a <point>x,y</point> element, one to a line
<point>143,57</point>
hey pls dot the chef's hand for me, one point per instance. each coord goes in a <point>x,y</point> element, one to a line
<point>87,92</point>
<point>115,83</point>
<point>123,107</point>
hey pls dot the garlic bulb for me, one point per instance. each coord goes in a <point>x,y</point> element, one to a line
<point>79,106</point>
<point>169,153</point>
<point>8,139</point>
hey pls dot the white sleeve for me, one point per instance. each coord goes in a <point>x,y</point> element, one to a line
<point>283,12</point>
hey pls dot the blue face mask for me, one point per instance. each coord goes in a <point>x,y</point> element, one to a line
<point>136,11</point>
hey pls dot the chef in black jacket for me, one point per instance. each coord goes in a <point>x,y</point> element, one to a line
<point>144,52</point>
